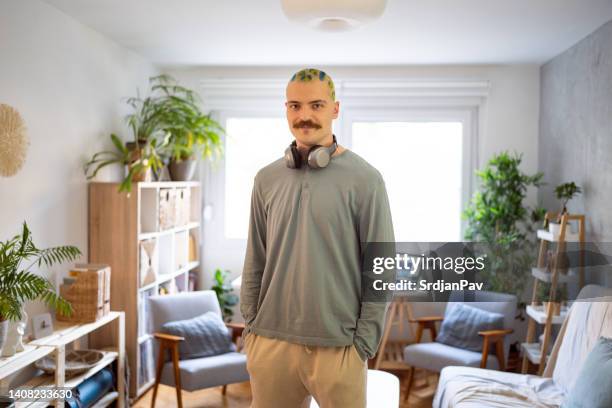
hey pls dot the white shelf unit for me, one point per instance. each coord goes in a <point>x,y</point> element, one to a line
<point>56,343</point>
<point>123,229</point>
<point>538,315</point>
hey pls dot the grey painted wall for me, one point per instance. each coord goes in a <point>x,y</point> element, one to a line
<point>575,141</point>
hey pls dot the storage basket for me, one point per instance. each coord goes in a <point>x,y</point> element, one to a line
<point>182,201</point>
<point>167,210</point>
<point>89,293</point>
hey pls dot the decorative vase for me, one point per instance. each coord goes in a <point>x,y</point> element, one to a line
<point>3,331</point>
<point>14,336</point>
<point>182,170</point>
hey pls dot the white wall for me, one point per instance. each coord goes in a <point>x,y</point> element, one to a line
<point>67,81</point>
<point>510,119</point>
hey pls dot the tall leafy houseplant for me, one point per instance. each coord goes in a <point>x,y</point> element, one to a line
<point>191,133</point>
<point>498,217</point>
<point>18,284</point>
<point>224,294</point>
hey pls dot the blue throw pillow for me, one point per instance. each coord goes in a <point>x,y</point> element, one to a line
<point>205,336</point>
<point>462,323</point>
<point>593,386</point>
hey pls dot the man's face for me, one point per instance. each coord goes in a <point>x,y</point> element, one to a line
<point>310,112</point>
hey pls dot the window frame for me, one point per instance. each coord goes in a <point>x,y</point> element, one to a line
<point>466,116</point>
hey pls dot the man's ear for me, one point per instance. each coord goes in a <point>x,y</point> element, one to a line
<point>336,109</point>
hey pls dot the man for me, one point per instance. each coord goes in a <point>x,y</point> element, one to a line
<point>308,329</point>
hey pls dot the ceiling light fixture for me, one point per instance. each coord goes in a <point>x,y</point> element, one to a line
<point>333,15</point>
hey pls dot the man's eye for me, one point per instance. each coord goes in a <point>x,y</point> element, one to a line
<point>294,107</point>
<point>316,106</point>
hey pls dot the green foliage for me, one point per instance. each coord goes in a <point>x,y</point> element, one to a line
<point>497,217</point>
<point>18,285</point>
<point>543,292</point>
<point>565,192</point>
<point>224,294</point>
<point>167,124</point>
<point>176,111</point>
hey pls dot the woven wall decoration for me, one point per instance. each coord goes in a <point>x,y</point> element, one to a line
<point>13,141</point>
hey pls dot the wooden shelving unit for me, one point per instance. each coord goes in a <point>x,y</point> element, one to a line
<point>119,224</point>
<point>56,344</point>
<point>534,352</point>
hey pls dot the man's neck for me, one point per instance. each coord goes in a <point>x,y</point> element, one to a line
<point>303,148</point>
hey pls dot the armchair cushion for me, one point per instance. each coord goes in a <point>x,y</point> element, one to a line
<point>462,323</point>
<point>592,387</point>
<point>436,356</point>
<point>204,372</point>
<point>205,335</point>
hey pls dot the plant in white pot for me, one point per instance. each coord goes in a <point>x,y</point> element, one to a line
<point>18,284</point>
<point>564,192</point>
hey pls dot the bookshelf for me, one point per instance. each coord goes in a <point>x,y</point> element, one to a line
<point>66,336</point>
<point>151,239</point>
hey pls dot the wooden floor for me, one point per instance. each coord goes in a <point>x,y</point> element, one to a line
<point>239,396</point>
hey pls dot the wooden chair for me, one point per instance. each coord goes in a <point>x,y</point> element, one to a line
<point>198,373</point>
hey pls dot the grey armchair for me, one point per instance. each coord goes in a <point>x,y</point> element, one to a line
<point>197,373</point>
<point>435,356</point>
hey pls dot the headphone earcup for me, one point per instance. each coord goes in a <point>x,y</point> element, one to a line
<point>292,158</point>
<point>318,157</point>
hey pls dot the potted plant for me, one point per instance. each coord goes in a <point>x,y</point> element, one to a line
<point>224,294</point>
<point>564,192</point>
<point>18,284</point>
<point>191,133</point>
<point>498,217</point>
<point>543,296</point>
<point>139,158</point>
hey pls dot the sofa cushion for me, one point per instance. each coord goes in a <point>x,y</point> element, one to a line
<point>436,356</point>
<point>207,372</point>
<point>593,386</point>
<point>205,335</point>
<point>586,323</point>
<point>462,323</point>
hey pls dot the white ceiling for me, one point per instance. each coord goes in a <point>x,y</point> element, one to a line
<point>256,32</point>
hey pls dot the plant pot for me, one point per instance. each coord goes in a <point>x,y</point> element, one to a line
<point>183,170</point>
<point>556,306</point>
<point>554,228</point>
<point>3,332</point>
<point>135,149</point>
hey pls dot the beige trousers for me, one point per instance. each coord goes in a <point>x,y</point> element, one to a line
<point>286,375</point>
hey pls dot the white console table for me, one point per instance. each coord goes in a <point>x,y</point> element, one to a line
<point>55,344</point>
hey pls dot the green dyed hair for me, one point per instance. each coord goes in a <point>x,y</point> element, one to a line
<point>310,74</point>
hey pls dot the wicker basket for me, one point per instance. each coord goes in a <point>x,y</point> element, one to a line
<point>89,295</point>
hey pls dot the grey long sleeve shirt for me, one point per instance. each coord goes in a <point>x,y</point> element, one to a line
<point>302,277</point>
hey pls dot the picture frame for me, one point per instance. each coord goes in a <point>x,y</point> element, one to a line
<point>42,325</point>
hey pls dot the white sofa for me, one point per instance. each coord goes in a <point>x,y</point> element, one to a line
<point>589,318</point>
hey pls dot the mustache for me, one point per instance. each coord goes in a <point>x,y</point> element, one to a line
<point>306,124</point>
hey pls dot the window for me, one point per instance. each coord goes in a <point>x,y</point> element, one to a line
<point>422,164</point>
<point>251,144</point>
